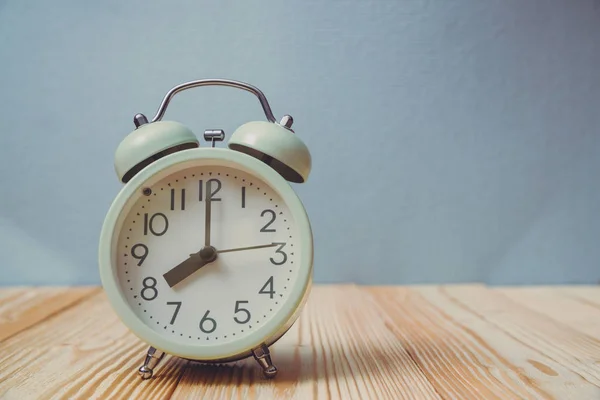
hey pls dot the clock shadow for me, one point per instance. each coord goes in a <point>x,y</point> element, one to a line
<point>304,367</point>
<point>337,341</point>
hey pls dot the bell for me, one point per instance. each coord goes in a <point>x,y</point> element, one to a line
<point>276,145</point>
<point>148,143</point>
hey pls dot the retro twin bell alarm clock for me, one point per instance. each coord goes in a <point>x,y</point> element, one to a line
<point>207,253</point>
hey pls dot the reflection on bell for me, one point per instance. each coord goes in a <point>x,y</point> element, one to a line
<point>148,143</point>
<point>276,146</point>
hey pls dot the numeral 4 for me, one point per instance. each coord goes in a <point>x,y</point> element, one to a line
<point>268,288</point>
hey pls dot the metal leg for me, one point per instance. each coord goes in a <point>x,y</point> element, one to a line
<point>152,359</point>
<point>263,357</point>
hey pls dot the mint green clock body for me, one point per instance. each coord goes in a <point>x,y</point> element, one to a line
<point>207,253</point>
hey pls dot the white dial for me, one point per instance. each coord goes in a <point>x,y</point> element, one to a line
<point>257,247</point>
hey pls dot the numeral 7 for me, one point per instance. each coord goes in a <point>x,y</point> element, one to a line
<point>177,305</point>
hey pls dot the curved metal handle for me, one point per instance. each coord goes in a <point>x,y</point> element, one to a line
<point>214,82</point>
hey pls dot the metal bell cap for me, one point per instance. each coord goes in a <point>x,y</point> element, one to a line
<point>276,146</point>
<point>148,143</point>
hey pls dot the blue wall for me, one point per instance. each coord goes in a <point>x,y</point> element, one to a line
<point>451,140</point>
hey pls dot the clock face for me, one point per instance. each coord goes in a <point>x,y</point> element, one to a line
<point>167,283</point>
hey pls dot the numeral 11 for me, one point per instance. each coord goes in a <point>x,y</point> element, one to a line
<point>173,199</point>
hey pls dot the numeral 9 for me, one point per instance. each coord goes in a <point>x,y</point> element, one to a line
<point>143,249</point>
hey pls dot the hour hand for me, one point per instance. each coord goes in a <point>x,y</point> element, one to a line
<point>189,266</point>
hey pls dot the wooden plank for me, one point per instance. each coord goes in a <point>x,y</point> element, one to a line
<point>383,343</point>
<point>83,352</point>
<point>465,356</point>
<point>23,307</point>
<point>560,342</point>
<point>340,348</point>
<point>587,294</point>
<point>501,360</point>
<point>552,302</point>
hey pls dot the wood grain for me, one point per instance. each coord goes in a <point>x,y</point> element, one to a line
<point>586,294</point>
<point>21,308</point>
<point>467,357</point>
<point>339,349</point>
<point>505,360</point>
<point>418,342</point>
<point>571,348</point>
<point>556,303</point>
<point>83,352</point>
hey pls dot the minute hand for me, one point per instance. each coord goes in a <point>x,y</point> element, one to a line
<point>262,246</point>
<point>207,214</point>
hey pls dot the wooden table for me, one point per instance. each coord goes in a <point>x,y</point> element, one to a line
<point>420,342</point>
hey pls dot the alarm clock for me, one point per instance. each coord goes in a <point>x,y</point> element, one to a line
<point>206,253</point>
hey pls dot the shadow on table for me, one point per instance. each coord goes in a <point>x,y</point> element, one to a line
<point>302,364</point>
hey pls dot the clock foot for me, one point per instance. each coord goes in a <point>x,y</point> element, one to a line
<point>152,359</point>
<point>263,357</point>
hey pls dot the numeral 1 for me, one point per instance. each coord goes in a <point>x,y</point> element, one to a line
<point>243,196</point>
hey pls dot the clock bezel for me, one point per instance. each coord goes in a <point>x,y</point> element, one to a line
<point>267,333</point>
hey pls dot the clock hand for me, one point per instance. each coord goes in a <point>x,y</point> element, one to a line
<point>262,246</point>
<point>207,212</point>
<point>192,264</point>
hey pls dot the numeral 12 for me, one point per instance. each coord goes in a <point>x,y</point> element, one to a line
<point>215,186</point>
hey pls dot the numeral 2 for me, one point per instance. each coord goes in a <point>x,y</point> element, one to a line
<point>266,227</point>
